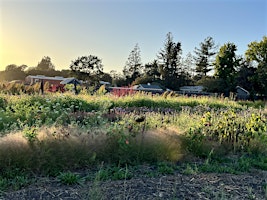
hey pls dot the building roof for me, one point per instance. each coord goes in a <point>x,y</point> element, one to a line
<point>147,87</point>
<point>70,81</point>
<point>63,80</point>
<point>244,90</point>
<point>192,88</point>
<point>58,78</point>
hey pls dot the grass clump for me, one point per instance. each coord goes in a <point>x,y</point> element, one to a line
<point>69,178</point>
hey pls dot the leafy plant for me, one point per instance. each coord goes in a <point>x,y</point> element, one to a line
<point>69,178</point>
<point>30,133</point>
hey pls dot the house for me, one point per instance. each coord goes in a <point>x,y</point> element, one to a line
<point>241,93</point>
<point>148,88</point>
<point>38,78</point>
<point>56,83</point>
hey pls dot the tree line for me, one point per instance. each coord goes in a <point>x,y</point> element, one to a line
<point>218,69</point>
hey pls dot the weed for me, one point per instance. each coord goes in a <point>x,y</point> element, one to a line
<point>114,173</point>
<point>30,133</point>
<point>69,178</point>
<point>251,195</point>
<point>165,169</point>
<point>3,184</point>
<point>190,170</point>
<point>265,190</point>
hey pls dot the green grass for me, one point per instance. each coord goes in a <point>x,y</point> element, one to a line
<point>69,178</point>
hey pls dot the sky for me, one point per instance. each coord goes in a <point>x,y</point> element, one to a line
<point>109,29</point>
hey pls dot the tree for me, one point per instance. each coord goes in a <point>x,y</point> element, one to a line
<point>188,68</point>
<point>133,66</point>
<point>152,70</point>
<point>204,57</point>
<point>44,67</point>
<point>245,76</point>
<point>45,64</point>
<point>14,72</point>
<point>169,61</point>
<point>87,67</point>
<point>226,64</point>
<point>106,77</point>
<point>257,54</point>
<point>117,79</point>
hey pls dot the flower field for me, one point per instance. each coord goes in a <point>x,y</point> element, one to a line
<point>47,135</point>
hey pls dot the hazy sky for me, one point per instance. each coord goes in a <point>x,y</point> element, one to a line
<point>109,29</point>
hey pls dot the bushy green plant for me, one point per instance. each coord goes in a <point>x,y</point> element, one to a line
<point>30,133</point>
<point>236,129</point>
<point>69,178</point>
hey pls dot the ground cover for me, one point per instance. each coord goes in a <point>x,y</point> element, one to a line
<point>76,141</point>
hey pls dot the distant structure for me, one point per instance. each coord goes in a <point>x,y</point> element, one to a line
<point>241,93</point>
<point>148,88</point>
<point>56,83</point>
<point>192,89</point>
<point>56,80</point>
<point>30,80</point>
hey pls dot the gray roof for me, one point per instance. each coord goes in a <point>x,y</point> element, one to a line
<point>244,90</point>
<point>63,80</point>
<point>47,77</point>
<point>70,81</point>
<point>149,87</point>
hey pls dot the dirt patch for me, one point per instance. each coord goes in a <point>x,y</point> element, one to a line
<point>177,186</point>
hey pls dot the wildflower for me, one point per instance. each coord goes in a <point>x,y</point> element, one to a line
<point>127,142</point>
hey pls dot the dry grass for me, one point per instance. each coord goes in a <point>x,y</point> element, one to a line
<point>67,148</point>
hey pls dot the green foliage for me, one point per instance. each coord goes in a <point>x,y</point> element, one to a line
<point>30,133</point>
<point>102,90</point>
<point>256,53</point>
<point>235,129</point>
<point>170,57</point>
<point>226,64</point>
<point>190,170</point>
<point>87,68</point>
<point>114,173</point>
<point>165,168</point>
<point>69,178</point>
<point>204,56</point>
<point>14,179</point>
<point>133,67</point>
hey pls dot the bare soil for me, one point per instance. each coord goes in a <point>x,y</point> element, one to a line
<point>251,185</point>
